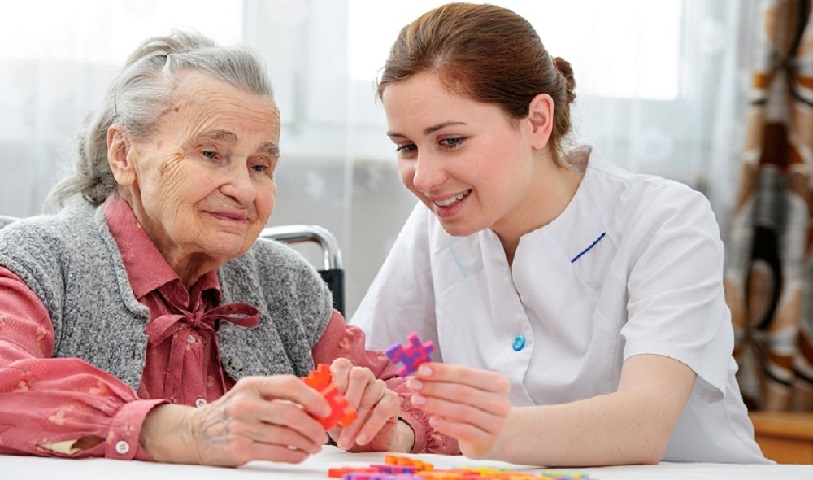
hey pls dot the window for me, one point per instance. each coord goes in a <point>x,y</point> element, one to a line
<point>631,47</point>
<point>104,31</point>
<point>627,56</point>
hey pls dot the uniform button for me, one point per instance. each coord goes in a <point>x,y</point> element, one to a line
<point>200,402</point>
<point>236,363</point>
<point>122,447</point>
<point>190,339</point>
<point>519,342</point>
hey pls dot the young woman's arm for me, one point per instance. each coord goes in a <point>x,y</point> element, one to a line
<point>630,426</point>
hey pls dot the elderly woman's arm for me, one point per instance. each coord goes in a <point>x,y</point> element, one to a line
<point>65,407</point>
<point>58,407</point>
<point>345,341</point>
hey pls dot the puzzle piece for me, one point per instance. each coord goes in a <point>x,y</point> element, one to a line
<point>401,467</point>
<point>320,378</point>
<point>458,474</point>
<point>341,472</point>
<point>340,411</point>
<point>379,476</point>
<point>419,465</point>
<point>411,355</point>
<point>394,468</point>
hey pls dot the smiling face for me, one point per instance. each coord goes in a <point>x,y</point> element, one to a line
<point>471,164</point>
<point>203,186</point>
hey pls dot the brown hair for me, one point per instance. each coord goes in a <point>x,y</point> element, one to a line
<point>486,53</point>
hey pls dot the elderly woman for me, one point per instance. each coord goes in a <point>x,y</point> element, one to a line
<point>145,320</point>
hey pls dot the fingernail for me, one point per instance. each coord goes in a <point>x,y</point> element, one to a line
<point>414,383</point>
<point>424,370</point>
<point>361,439</point>
<point>417,400</point>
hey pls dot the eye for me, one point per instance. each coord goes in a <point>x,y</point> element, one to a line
<point>210,154</point>
<point>410,147</point>
<point>262,166</point>
<point>452,142</point>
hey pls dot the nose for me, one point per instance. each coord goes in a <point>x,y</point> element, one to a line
<point>239,185</point>
<point>428,173</point>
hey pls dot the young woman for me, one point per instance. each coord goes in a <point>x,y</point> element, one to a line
<point>577,308</point>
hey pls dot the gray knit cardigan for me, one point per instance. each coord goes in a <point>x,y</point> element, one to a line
<point>71,261</point>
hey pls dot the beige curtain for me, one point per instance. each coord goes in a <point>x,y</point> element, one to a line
<point>769,273</point>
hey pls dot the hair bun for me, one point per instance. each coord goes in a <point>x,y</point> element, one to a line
<point>566,70</point>
<point>176,42</point>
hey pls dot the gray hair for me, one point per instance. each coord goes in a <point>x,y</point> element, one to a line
<point>139,94</point>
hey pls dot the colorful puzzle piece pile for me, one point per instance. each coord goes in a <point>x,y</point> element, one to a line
<point>398,467</point>
<point>340,411</point>
<point>411,355</point>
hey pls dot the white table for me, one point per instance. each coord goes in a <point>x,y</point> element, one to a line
<point>20,468</point>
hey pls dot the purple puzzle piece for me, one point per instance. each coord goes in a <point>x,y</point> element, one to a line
<point>411,355</point>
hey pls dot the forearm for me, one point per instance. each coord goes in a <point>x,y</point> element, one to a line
<point>167,436</point>
<point>66,407</point>
<point>404,437</point>
<point>615,429</point>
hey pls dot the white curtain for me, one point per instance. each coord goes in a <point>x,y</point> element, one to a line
<point>659,90</point>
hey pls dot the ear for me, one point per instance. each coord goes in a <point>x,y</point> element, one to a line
<point>121,155</point>
<point>540,119</point>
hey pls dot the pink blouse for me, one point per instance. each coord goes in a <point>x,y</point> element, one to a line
<point>66,407</point>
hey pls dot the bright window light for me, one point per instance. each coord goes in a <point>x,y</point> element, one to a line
<point>106,31</point>
<point>620,49</point>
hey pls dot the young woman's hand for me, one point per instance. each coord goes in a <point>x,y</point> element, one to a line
<point>466,403</point>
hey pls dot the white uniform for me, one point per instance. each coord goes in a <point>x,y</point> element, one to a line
<point>634,265</point>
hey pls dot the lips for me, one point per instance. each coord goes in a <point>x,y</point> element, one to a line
<point>231,216</point>
<point>448,202</point>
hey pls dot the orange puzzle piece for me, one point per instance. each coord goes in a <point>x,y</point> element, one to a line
<point>320,378</point>
<point>340,411</point>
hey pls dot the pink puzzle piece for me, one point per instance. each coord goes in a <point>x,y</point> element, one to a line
<point>411,355</point>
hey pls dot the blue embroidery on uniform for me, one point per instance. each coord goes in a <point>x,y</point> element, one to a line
<point>459,265</point>
<point>588,248</point>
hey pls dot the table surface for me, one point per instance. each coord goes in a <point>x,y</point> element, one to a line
<point>315,467</point>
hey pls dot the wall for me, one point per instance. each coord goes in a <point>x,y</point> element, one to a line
<point>365,225</point>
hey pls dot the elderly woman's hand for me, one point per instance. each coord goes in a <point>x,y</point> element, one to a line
<point>261,418</point>
<point>377,427</point>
